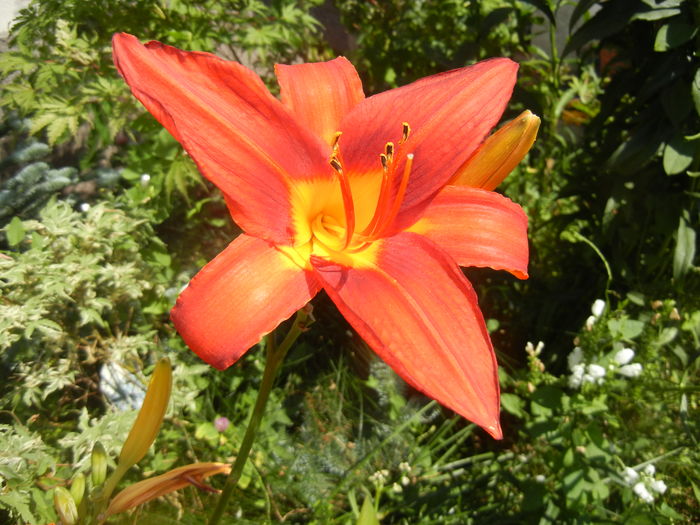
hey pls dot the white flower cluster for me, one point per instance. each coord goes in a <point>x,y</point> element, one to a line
<point>594,373</point>
<point>597,309</point>
<point>583,373</point>
<point>622,364</point>
<point>380,477</point>
<point>644,485</point>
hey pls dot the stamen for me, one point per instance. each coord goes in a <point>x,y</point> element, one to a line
<point>335,164</point>
<point>385,161</point>
<point>399,194</point>
<point>406,132</point>
<point>348,204</point>
<point>336,138</point>
<point>382,200</point>
<point>389,149</point>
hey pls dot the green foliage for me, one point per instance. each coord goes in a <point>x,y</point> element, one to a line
<point>70,291</point>
<point>60,77</point>
<point>394,45</point>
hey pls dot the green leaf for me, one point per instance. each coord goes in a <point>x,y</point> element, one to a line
<point>368,516</point>
<point>695,90</point>
<point>611,19</point>
<point>18,501</point>
<point>512,404</point>
<point>677,102</point>
<point>15,231</point>
<point>684,252</point>
<point>543,6</point>
<point>581,8</point>
<point>672,35</point>
<point>657,14</point>
<point>625,328</point>
<point>678,154</point>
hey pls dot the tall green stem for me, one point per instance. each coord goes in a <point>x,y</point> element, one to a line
<point>275,356</point>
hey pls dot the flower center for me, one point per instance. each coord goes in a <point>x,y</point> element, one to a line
<point>338,235</point>
<point>339,220</point>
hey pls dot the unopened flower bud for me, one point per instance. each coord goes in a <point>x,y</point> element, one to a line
<point>631,370</point>
<point>148,421</point>
<point>499,154</point>
<point>98,464</point>
<point>157,486</point>
<point>77,489</point>
<point>597,308</point>
<point>596,371</point>
<point>624,356</point>
<point>630,475</point>
<point>65,506</point>
<point>658,486</point>
<point>641,490</point>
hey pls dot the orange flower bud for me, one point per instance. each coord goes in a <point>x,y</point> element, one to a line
<point>499,153</point>
<point>150,417</point>
<point>157,486</point>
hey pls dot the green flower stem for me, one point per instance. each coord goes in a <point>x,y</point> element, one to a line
<point>275,356</point>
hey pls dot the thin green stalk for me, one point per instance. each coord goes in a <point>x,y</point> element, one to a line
<point>275,356</point>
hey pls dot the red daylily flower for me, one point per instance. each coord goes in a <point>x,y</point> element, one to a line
<point>348,194</point>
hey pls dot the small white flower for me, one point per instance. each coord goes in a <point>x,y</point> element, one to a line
<point>540,478</point>
<point>650,469</point>
<point>404,467</point>
<point>641,490</point>
<point>632,370</point>
<point>534,350</point>
<point>590,321</point>
<point>84,206</point>
<point>576,377</point>
<point>597,308</point>
<point>658,486</point>
<point>630,475</point>
<point>145,179</point>
<point>597,372</point>
<point>396,488</point>
<point>405,481</point>
<point>624,356</point>
<point>575,357</point>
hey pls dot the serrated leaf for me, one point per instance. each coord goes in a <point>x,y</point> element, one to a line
<point>684,252</point>
<point>15,231</point>
<point>19,502</point>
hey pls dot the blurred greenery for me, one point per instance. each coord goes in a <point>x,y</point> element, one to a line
<point>104,219</point>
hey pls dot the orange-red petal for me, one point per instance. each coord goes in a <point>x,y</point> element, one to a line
<point>449,115</point>
<point>320,94</point>
<point>241,137</point>
<point>477,228</point>
<point>238,297</point>
<point>416,309</point>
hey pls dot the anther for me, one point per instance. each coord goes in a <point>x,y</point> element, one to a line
<point>385,161</point>
<point>336,165</point>
<point>336,138</point>
<point>406,132</point>
<point>389,149</point>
